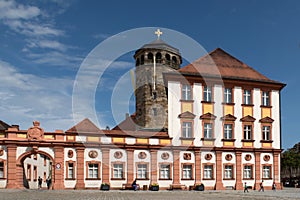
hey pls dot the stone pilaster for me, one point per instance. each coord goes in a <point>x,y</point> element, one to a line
<point>11,165</point>
<point>176,167</point>
<point>105,165</point>
<point>153,166</point>
<point>276,167</point>
<point>197,166</point>
<point>80,168</point>
<point>257,171</point>
<point>58,168</point>
<point>219,175</point>
<point>130,166</point>
<point>239,183</point>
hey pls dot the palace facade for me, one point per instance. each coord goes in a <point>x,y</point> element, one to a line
<point>215,121</point>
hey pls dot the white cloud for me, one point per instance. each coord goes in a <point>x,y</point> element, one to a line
<point>9,9</point>
<point>27,97</point>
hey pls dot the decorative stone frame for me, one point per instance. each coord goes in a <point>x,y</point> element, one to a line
<point>67,170</point>
<point>212,171</point>
<point>147,170</point>
<point>123,172</point>
<point>252,171</point>
<point>192,170</point>
<point>233,171</point>
<point>171,170</point>
<point>4,169</point>
<point>262,171</point>
<point>87,169</point>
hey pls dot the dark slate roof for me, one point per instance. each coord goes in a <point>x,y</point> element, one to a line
<point>4,126</point>
<point>160,44</point>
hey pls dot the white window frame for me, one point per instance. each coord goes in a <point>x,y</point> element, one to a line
<point>186,92</point>
<point>247,132</point>
<point>187,172</point>
<point>165,171</point>
<point>228,131</point>
<point>142,171</point>
<point>265,98</point>
<point>93,170</point>
<point>118,170</point>
<point>208,131</point>
<point>247,172</point>
<point>227,95</point>
<point>187,129</point>
<point>228,172</point>
<point>267,172</point>
<point>247,97</point>
<point>266,132</point>
<point>70,170</point>
<point>207,97</point>
<point>208,172</point>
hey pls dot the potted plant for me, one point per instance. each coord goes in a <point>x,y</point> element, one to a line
<point>105,186</point>
<point>199,187</point>
<point>154,187</point>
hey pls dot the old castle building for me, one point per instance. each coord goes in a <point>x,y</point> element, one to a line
<point>215,121</point>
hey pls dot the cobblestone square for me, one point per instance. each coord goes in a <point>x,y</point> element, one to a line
<point>288,193</point>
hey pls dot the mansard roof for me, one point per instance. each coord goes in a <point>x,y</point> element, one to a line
<point>208,116</point>
<point>219,63</point>
<point>4,126</point>
<point>228,117</point>
<point>266,120</point>
<point>248,118</point>
<point>85,126</point>
<point>187,114</point>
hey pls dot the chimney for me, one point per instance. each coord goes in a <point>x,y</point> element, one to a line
<point>126,115</point>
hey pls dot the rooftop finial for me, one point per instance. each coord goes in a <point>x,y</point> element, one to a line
<point>158,33</point>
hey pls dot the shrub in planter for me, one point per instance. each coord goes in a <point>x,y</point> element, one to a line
<point>154,187</point>
<point>105,186</point>
<point>199,187</point>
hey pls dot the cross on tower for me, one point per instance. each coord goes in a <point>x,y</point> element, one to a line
<point>158,33</point>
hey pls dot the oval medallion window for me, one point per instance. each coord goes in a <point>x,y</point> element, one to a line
<point>70,154</point>
<point>165,156</point>
<point>208,156</point>
<point>248,157</point>
<point>142,155</point>
<point>93,154</point>
<point>228,157</point>
<point>187,156</point>
<point>118,154</point>
<point>266,158</point>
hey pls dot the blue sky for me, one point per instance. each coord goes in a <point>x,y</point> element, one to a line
<point>44,42</point>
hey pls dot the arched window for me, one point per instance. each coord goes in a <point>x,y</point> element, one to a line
<point>142,59</point>
<point>168,59</point>
<point>158,57</point>
<point>137,63</point>
<point>174,60</point>
<point>150,57</point>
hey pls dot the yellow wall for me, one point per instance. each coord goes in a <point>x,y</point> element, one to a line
<point>208,108</point>
<point>228,144</point>
<point>165,141</point>
<point>186,142</point>
<point>93,139</point>
<point>265,112</point>
<point>142,140</point>
<point>228,109</point>
<point>20,135</point>
<point>247,111</point>
<point>118,140</point>
<point>187,107</point>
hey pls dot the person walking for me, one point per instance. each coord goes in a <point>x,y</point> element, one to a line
<point>261,186</point>
<point>40,181</point>
<point>246,187</point>
<point>274,186</point>
<point>134,185</point>
<point>48,181</point>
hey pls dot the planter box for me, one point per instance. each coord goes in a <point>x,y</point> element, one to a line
<point>105,187</point>
<point>154,187</point>
<point>199,187</point>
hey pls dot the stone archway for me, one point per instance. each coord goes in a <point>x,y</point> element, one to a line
<point>21,179</point>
